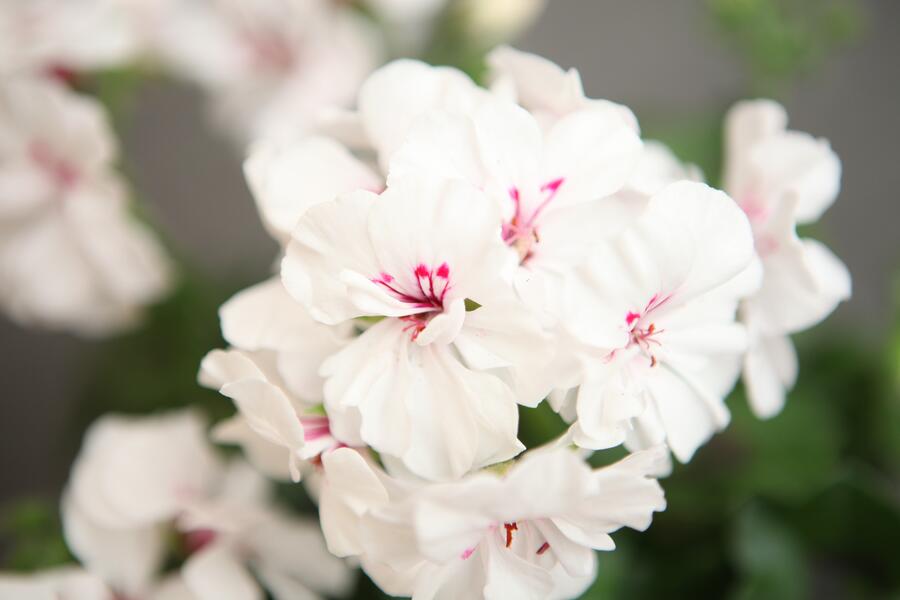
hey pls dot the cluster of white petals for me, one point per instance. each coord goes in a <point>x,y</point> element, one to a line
<point>453,253</point>
<point>451,256</point>
<point>72,256</point>
<point>142,487</point>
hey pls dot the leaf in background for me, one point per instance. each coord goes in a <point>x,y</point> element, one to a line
<point>32,536</point>
<point>768,556</point>
<point>781,39</point>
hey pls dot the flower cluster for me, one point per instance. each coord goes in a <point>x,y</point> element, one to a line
<point>454,255</point>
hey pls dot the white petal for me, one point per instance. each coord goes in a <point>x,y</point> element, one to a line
<point>287,179</point>
<point>270,414</point>
<point>395,95</point>
<point>216,574</point>
<point>330,238</point>
<point>770,370</point>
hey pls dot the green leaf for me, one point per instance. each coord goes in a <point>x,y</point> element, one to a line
<point>769,557</point>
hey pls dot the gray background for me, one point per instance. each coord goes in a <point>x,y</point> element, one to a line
<point>658,56</point>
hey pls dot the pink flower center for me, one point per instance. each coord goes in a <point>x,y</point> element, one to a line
<point>315,427</point>
<point>425,296</point>
<point>642,331</point>
<point>63,173</point>
<point>521,231</point>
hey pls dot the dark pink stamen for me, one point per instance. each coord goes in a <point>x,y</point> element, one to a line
<point>544,547</point>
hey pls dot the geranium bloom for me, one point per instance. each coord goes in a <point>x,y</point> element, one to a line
<point>271,65</point>
<point>782,178</point>
<point>669,287</point>
<point>63,37</point>
<point>529,532</point>
<point>71,255</point>
<point>553,188</point>
<point>436,381</point>
<point>139,481</point>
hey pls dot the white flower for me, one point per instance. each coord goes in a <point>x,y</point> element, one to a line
<point>71,255</point>
<point>528,533</point>
<point>139,481</point>
<point>63,37</point>
<point>435,383</point>
<point>270,65</point>
<point>662,324</point>
<point>241,534</point>
<point>553,187</point>
<point>272,374</point>
<point>782,178</point>
<point>131,478</point>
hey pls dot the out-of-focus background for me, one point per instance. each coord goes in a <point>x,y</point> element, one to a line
<point>803,506</point>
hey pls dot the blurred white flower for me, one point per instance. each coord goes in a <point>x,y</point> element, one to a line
<point>138,481</point>
<point>530,532</point>
<point>133,477</point>
<point>64,37</point>
<point>270,66</point>
<point>71,255</point>
<point>780,179</point>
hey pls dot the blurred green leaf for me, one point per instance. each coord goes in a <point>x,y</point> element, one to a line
<point>768,556</point>
<point>32,533</point>
<point>781,39</point>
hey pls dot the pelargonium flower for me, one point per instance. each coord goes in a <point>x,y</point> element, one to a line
<point>64,37</point>
<point>436,380</point>
<point>270,65</point>
<point>666,343</point>
<point>780,179</point>
<point>71,255</point>
<point>554,188</point>
<point>140,481</point>
<point>528,532</point>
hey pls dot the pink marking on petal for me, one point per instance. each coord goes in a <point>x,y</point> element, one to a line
<point>63,173</point>
<point>552,186</point>
<point>443,271</point>
<point>467,553</point>
<point>197,539</point>
<point>631,317</point>
<point>544,547</point>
